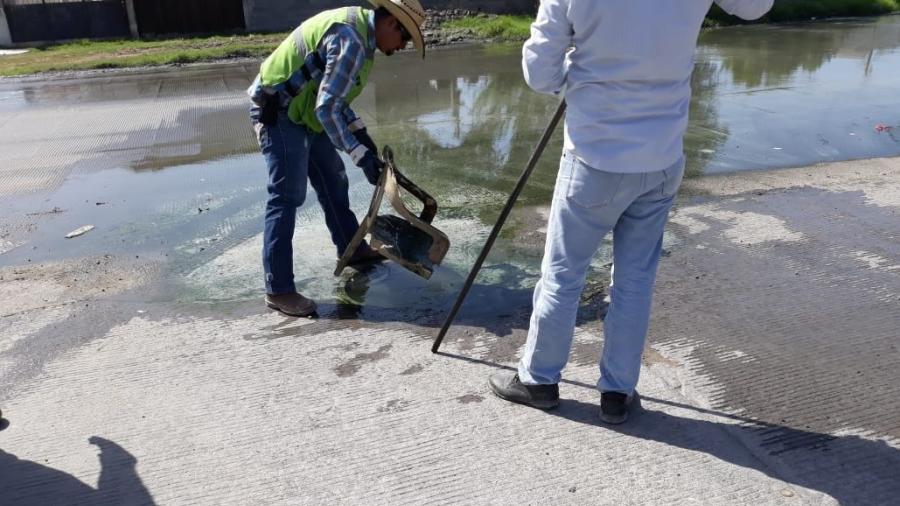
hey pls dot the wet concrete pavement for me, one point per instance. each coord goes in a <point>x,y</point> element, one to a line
<point>771,375</point>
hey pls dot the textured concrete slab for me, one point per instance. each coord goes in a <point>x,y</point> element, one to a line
<point>138,363</point>
<point>750,390</point>
<point>784,303</point>
<point>260,409</point>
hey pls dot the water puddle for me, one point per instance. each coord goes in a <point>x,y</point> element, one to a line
<point>165,164</point>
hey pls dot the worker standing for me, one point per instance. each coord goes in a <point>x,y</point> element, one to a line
<point>302,117</point>
<point>625,68</point>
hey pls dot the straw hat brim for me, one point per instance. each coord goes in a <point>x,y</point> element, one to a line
<point>408,22</point>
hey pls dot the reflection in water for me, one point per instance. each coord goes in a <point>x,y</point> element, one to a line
<point>199,134</point>
<point>753,61</point>
<point>463,125</point>
<point>449,128</point>
<point>785,55</point>
<point>705,134</point>
<point>476,135</point>
<point>753,87</point>
<point>503,142</point>
<point>128,86</point>
<point>794,95</point>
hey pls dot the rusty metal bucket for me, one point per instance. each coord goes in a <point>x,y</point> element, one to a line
<point>407,239</point>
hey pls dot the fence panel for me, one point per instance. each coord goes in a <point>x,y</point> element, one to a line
<point>48,20</point>
<point>155,17</point>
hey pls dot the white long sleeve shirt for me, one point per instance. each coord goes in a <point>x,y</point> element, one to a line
<point>628,79</point>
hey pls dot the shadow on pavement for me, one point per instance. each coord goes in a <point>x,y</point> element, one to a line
<point>25,483</point>
<point>851,469</point>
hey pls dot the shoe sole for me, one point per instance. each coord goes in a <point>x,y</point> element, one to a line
<point>311,314</point>
<point>613,420</point>
<point>538,405</point>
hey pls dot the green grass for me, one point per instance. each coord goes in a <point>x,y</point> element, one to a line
<point>503,27</point>
<point>517,28</point>
<point>83,55</point>
<point>796,10</point>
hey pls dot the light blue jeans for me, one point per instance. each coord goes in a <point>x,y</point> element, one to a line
<point>588,204</point>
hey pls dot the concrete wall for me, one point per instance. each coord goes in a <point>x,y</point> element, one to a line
<point>275,15</point>
<point>5,38</point>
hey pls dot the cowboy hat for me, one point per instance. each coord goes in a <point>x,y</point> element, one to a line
<point>411,15</point>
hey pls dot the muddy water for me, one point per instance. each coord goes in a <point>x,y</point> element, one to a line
<point>164,163</point>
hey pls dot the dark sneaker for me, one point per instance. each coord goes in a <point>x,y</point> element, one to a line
<point>615,406</point>
<point>291,304</point>
<point>365,257</point>
<point>506,385</point>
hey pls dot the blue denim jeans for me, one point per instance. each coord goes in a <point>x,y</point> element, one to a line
<point>588,204</point>
<point>293,155</point>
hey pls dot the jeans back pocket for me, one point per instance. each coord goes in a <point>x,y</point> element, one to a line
<point>592,188</point>
<point>673,177</point>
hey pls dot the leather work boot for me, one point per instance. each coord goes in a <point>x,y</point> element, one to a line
<point>291,304</point>
<point>506,385</point>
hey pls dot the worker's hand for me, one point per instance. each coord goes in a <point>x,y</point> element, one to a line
<point>371,167</point>
<point>362,135</point>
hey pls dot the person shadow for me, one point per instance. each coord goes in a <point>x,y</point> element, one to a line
<point>854,470</point>
<point>27,483</point>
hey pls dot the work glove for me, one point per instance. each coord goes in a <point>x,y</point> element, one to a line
<point>363,137</point>
<point>371,166</point>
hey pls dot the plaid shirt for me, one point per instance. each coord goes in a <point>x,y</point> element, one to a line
<point>344,53</point>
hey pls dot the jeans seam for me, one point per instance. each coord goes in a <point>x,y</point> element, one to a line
<point>568,175</point>
<point>285,165</point>
<point>284,149</point>
<point>331,207</point>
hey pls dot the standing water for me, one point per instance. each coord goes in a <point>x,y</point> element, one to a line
<point>165,163</point>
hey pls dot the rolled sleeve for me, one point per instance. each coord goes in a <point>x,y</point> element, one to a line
<point>544,54</point>
<point>344,58</point>
<point>746,9</point>
<point>354,122</point>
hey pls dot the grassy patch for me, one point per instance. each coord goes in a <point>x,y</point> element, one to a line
<point>84,55</point>
<point>796,10</point>
<point>517,28</point>
<point>494,27</point>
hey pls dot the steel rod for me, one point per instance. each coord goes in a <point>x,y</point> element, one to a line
<point>535,156</point>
